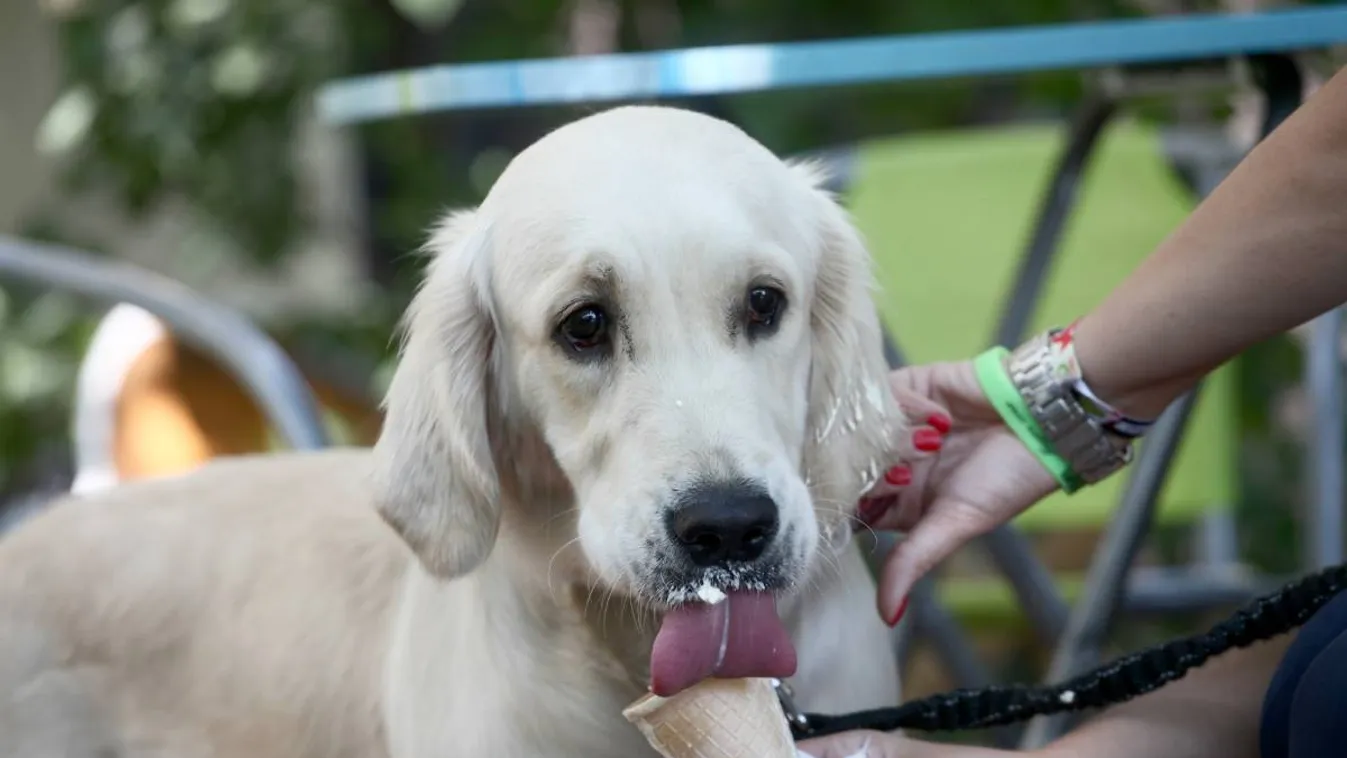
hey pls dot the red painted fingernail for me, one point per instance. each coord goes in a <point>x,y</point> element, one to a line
<point>927,440</point>
<point>941,422</point>
<point>898,476</point>
<point>871,509</point>
<point>898,614</point>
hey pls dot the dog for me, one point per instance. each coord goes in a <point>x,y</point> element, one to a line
<point>150,404</point>
<point>640,391</point>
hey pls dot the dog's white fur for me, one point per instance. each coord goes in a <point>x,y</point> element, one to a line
<point>258,607</point>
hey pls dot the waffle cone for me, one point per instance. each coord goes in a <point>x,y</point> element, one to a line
<point>718,718</point>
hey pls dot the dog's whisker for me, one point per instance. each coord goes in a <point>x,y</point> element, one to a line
<point>609,594</point>
<point>829,558</point>
<point>589,597</point>
<point>551,563</point>
<point>639,616</point>
<point>562,514</point>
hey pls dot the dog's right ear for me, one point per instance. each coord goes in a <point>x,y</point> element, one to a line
<point>435,479</point>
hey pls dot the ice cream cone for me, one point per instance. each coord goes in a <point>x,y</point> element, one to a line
<point>718,718</point>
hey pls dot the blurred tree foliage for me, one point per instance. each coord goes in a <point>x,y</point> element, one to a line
<point>203,99</point>
<point>198,99</point>
<point>41,334</point>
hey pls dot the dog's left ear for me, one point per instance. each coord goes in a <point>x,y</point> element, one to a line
<point>435,479</point>
<point>854,421</point>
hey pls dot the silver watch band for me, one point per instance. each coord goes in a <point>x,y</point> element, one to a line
<point>1077,437</point>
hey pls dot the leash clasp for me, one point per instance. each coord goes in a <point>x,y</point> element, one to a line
<point>799,722</point>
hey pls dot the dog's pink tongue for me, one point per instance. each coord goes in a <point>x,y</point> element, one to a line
<point>741,636</point>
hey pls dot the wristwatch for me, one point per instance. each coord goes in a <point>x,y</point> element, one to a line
<point>1047,382</point>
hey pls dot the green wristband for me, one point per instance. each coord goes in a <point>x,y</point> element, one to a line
<point>1005,398</point>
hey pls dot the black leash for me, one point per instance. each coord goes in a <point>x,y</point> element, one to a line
<point>1128,677</point>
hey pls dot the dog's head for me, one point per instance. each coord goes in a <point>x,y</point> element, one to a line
<point>684,322</point>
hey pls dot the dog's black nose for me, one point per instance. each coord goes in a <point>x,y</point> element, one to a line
<point>724,523</point>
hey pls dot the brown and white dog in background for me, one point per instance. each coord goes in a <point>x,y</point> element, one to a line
<point>148,404</point>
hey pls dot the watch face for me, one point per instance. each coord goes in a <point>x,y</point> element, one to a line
<point>1048,388</point>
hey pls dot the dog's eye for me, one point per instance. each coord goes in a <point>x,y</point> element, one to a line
<point>584,330</point>
<point>764,308</point>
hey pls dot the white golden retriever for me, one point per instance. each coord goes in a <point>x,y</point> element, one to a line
<point>645,374</point>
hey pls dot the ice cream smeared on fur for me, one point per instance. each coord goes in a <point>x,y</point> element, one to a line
<point>710,594</point>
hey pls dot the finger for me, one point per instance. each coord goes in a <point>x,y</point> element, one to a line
<point>892,482</point>
<point>872,744</point>
<point>928,421</point>
<point>891,514</point>
<point>916,407</point>
<point>858,744</point>
<point>923,443</point>
<point>945,527</point>
<point>873,511</point>
<point>898,500</point>
<point>926,424</point>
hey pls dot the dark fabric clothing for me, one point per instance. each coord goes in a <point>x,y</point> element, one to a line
<point>1305,708</point>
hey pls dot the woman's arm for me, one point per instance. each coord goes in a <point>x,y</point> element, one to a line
<point>1267,251</point>
<point>1213,712</point>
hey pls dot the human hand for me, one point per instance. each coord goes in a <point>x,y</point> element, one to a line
<point>975,474</point>
<point>868,744</point>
